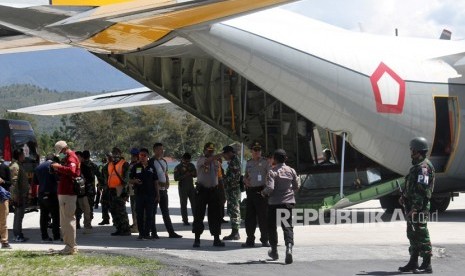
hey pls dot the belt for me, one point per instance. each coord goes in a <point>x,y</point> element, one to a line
<point>259,188</point>
<point>200,187</point>
<point>162,186</point>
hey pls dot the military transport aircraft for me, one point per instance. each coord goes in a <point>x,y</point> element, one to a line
<point>273,76</point>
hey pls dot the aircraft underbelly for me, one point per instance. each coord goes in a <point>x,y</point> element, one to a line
<point>332,96</point>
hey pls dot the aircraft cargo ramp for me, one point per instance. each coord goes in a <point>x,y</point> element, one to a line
<point>326,198</point>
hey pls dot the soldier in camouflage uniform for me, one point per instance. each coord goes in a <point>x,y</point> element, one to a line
<point>19,193</point>
<point>105,192</point>
<point>233,191</point>
<point>419,184</point>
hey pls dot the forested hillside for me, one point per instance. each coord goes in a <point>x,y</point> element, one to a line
<point>100,131</point>
<point>23,95</point>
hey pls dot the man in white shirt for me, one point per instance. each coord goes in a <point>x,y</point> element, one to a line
<point>161,167</point>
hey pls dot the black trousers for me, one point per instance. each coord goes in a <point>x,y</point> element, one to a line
<point>144,211</point>
<point>165,212</point>
<point>105,201</point>
<point>210,197</point>
<point>288,231</point>
<point>49,208</point>
<point>256,211</point>
<point>186,191</point>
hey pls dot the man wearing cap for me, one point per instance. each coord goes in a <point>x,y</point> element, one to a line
<point>233,191</point>
<point>69,169</point>
<point>118,180</point>
<point>256,171</point>
<point>208,193</point>
<point>132,195</point>
<point>281,183</point>
<point>185,172</point>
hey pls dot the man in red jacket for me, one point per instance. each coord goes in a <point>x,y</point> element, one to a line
<point>67,171</point>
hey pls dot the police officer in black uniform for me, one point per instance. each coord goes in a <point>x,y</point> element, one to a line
<point>256,171</point>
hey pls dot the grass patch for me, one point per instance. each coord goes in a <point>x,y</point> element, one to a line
<point>34,263</point>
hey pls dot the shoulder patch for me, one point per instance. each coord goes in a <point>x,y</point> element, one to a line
<point>423,179</point>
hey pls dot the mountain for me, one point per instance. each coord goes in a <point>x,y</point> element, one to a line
<point>63,70</point>
<point>23,95</point>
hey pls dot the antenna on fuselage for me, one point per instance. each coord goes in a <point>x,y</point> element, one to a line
<point>397,32</point>
<point>446,34</point>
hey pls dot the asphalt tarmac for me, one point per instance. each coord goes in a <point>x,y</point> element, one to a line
<point>360,240</point>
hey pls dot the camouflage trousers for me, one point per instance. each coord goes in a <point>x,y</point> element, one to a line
<point>418,235</point>
<point>233,196</point>
<point>118,212</point>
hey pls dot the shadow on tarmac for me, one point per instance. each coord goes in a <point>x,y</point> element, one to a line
<point>379,273</point>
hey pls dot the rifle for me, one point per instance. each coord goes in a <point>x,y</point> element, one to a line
<point>403,206</point>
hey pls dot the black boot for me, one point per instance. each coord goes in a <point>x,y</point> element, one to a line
<point>234,236</point>
<point>78,224</point>
<point>104,222</point>
<point>196,241</point>
<point>411,265</point>
<point>217,241</point>
<point>425,267</point>
<point>273,252</point>
<point>289,253</point>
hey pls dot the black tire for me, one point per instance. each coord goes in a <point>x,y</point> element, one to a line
<point>389,203</point>
<point>439,204</point>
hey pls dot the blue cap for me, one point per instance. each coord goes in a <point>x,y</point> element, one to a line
<point>134,151</point>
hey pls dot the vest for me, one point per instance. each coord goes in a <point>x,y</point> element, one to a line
<point>113,179</point>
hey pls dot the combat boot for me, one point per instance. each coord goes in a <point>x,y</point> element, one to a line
<point>234,236</point>
<point>104,222</point>
<point>217,242</point>
<point>196,241</point>
<point>289,253</point>
<point>411,265</point>
<point>273,252</point>
<point>425,267</point>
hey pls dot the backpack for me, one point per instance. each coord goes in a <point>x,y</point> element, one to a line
<point>79,186</point>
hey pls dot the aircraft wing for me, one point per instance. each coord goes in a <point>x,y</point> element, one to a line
<point>127,98</point>
<point>126,27</point>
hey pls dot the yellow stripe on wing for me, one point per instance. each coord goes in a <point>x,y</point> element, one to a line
<point>138,33</point>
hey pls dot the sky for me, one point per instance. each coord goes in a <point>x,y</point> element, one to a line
<point>418,18</point>
<point>421,18</point>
